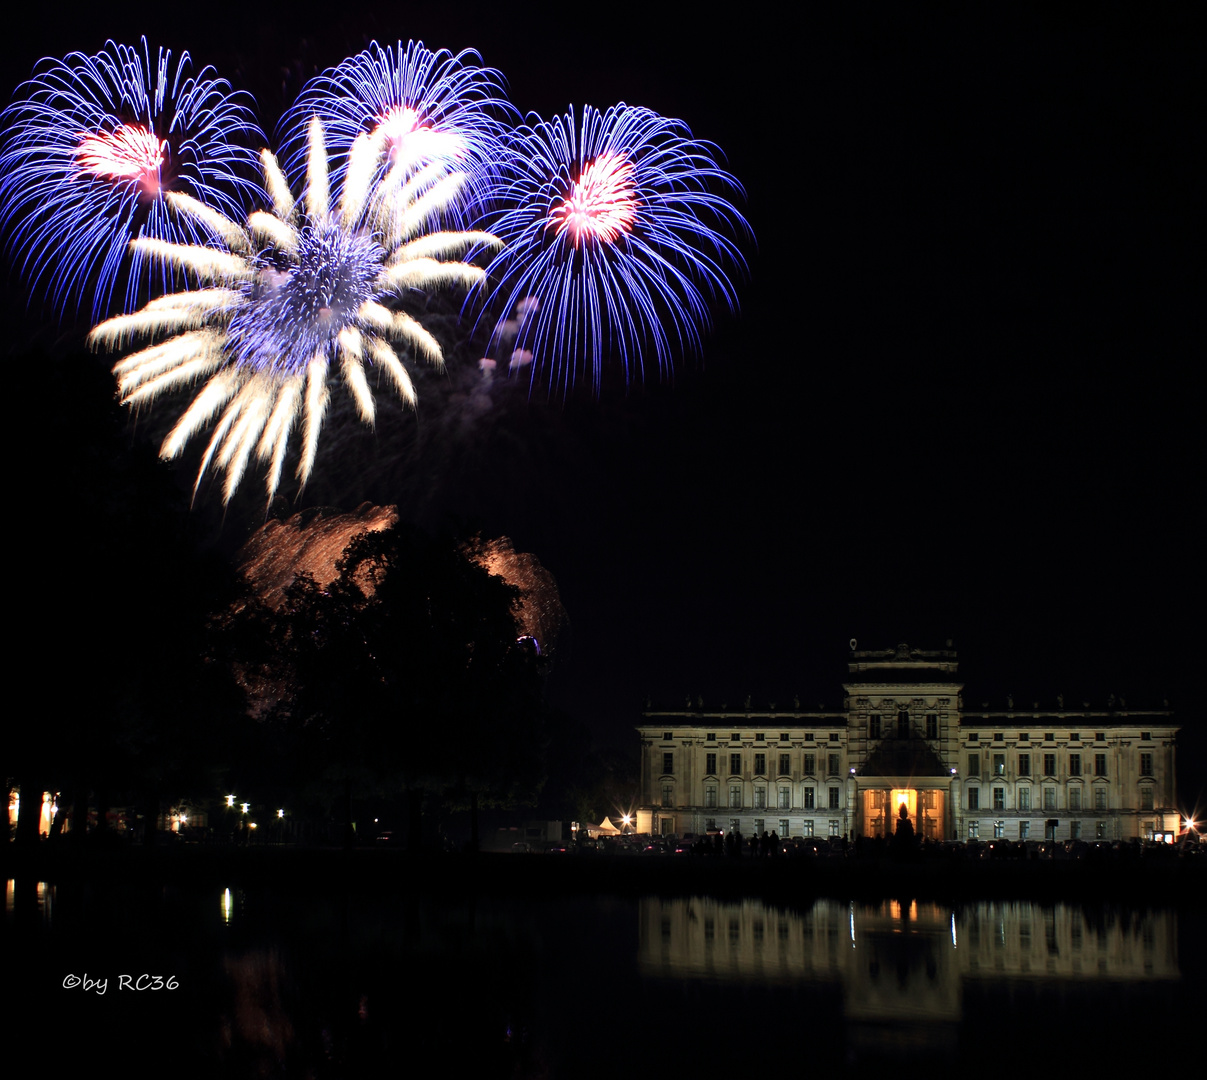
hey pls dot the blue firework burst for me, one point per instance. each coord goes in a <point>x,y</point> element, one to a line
<point>617,235</point>
<point>436,109</point>
<point>89,150</point>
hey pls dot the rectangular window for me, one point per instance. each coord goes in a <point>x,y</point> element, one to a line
<point>760,798</point>
<point>1100,764</point>
<point>999,830</point>
<point>785,798</point>
<point>1049,737</point>
<point>873,726</point>
<point>785,765</point>
<point>1024,830</point>
<point>668,764</point>
<point>735,764</point>
<point>1024,797</point>
<point>833,736</point>
<point>808,793</point>
<point>1075,830</point>
<point>735,796</point>
<point>760,764</point>
<point>667,736</point>
<point>1146,797</point>
<point>808,736</point>
<point>1100,798</point>
<point>974,764</point>
<point>1074,736</point>
<point>1146,764</point>
<point>668,794</point>
<point>999,737</point>
<point>1099,736</point>
<point>783,736</point>
<point>760,736</point>
<point>710,796</point>
<point>834,795</point>
<point>974,830</point>
<point>999,798</point>
<point>807,828</point>
<point>999,764</point>
<point>710,764</point>
<point>974,798</point>
<point>1023,736</point>
<point>1049,764</point>
<point>835,764</point>
<point>783,828</point>
<point>810,764</point>
<point>1074,798</point>
<point>1024,764</point>
<point>711,736</point>
<point>833,827</point>
<point>932,726</point>
<point>973,736</point>
<point>735,736</point>
<point>1146,736</point>
<point>903,725</point>
<point>1074,764</point>
<point>1049,798</point>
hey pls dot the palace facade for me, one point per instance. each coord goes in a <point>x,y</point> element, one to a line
<point>904,740</point>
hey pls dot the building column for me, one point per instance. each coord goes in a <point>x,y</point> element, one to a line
<point>956,818</point>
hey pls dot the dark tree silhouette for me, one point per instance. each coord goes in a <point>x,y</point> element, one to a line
<point>123,701</point>
<point>407,676</point>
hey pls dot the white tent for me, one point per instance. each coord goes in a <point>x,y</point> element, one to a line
<point>604,828</point>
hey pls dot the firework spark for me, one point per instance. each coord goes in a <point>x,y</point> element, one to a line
<point>285,297</point>
<point>89,153</point>
<point>616,235</point>
<point>432,107</point>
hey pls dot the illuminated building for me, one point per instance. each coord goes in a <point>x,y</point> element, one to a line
<point>905,739</point>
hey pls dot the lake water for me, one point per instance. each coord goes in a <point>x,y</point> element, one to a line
<point>324,981</point>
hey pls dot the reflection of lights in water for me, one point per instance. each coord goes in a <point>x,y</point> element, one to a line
<point>953,930</point>
<point>42,896</point>
<point>228,906</point>
<point>852,919</point>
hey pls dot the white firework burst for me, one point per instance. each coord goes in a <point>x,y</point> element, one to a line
<point>287,296</point>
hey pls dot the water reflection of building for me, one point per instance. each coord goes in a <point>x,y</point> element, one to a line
<point>905,739</point>
<point>899,960</point>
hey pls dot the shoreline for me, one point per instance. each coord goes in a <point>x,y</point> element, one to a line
<point>1143,881</point>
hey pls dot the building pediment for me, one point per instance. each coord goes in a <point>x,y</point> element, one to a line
<point>903,760</point>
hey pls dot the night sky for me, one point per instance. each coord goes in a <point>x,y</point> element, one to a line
<point>955,402</point>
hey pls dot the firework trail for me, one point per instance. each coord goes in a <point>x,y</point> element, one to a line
<point>89,154</point>
<point>285,297</point>
<point>615,238</point>
<point>432,107</point>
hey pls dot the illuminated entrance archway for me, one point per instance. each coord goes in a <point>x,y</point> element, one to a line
<point>925,807</point>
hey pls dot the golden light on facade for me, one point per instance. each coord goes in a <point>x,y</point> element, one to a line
<point>907,797</point>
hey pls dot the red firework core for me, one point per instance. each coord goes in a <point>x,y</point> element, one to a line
<point>602,202</point>
<point>129,153</point>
